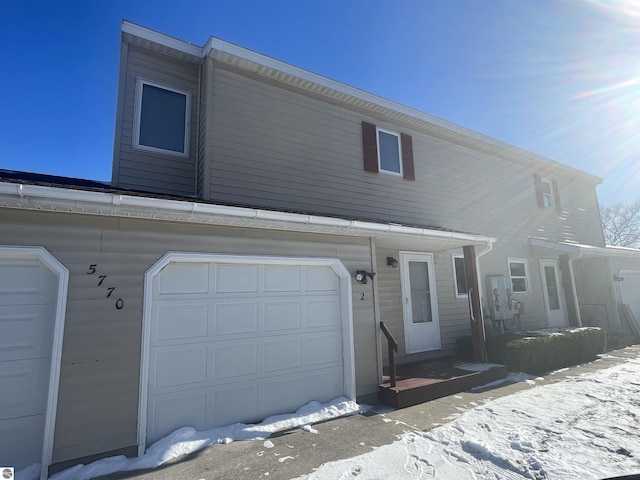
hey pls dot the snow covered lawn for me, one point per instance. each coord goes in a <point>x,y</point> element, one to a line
<point>586,427</point>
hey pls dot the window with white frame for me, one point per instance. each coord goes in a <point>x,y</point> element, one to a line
<point>389,152</point>
<point>459,276</point>
<point>547,194</point>
<point>161,119</point>
<point>519,274</point>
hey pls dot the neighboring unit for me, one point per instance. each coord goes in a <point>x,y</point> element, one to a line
<point>261,222</point>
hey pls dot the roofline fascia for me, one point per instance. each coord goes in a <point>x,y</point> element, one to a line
<point>40,197</point>
<point>216,44</point>
<point>580,250</point>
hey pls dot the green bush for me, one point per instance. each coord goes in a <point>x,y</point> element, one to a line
<point>533,353</point>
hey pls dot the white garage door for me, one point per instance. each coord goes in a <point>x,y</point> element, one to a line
<point>28,296</point>
<point>237,342</point>
<point>630,289</point>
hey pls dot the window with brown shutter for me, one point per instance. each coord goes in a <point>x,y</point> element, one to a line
<point>387,151</point>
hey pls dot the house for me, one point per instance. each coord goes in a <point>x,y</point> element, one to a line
<point>261,222</point>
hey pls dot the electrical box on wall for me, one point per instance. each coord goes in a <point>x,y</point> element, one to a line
<point>498,297</point>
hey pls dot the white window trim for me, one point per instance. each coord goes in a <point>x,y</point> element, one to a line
<point>550,195</point>
<point>455,277</point>
<point>137,109</point>
<point>527,276</point>
<point>397,135</point>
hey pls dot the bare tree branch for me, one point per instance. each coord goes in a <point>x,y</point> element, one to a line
<point>621,224</point>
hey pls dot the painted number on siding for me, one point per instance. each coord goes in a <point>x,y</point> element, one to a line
<point>93,268</point>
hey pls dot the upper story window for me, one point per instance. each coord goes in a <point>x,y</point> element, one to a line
<point>161,119</point>
<point>519,274</point>
<point>547,192</point>
<point>389,152</point>
<point>459,276</point>
<point>386,151</point>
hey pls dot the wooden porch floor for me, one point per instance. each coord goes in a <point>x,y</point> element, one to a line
<point>421,382</point>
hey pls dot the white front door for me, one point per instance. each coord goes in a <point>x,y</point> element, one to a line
<point>421,325</point>
<point>553,298</point>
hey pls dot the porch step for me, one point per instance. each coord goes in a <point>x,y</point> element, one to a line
<point>421,382</point>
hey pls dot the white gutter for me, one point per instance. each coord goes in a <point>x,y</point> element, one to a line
<point>26,196</point>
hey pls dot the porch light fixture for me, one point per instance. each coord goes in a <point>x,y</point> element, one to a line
<point>616,278</point>
<point>361,276</point>
<point>392,262</point>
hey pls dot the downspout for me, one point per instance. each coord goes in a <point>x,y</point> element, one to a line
<point>485,250</point>
<point>573,286</point>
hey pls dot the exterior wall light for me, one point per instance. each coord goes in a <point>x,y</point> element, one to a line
<point>392,262</point>
<point>616,278</point>
<point>361,276</point>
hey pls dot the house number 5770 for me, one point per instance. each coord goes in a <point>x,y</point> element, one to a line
<point>93,268</point>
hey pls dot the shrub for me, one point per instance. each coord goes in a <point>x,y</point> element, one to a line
<point>540,353</point>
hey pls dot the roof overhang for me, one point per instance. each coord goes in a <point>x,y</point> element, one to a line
<point>66,200</point>
<point>541,246</point>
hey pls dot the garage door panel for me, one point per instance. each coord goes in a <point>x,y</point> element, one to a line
<point>323,312</point>
<point>324,349</point>
<point>21,386</point>
<point>325,385</point>
<point>630,289</point>
<point>282,278</point>
<point>27,331</point>
<point>239,403</point>
<point>21,441</point>
<point>236,318</point>
<point>283,395</point>
<point>235,360</point>
<point>185,278</point>
<point>170,411</point>
<point>178,367</point>
<point>282,315</point>
<point>26,283</point>
<point>282,355</point>
<point>236,279</point>
<point>274,342</point>
<point>321,279</point>
<point>180,321</point>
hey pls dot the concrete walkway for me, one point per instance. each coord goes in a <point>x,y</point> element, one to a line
<point>295,453</point>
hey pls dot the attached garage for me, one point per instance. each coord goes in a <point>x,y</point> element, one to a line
<point>238,338</point>
<point>32,301</point>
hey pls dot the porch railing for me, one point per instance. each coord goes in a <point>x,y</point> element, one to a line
<point>393,347</point>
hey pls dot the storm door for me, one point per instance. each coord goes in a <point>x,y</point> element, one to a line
<point>422,328</point>
<point>552,289</point>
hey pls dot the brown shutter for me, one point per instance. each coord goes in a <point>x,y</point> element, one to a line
<point>408,171</point>
<point>370,147</point>
<point>556,196</point>
<point>537,181</point>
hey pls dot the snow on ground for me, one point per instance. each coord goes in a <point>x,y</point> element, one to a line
<point>188,440</point>
<point>584,427</point>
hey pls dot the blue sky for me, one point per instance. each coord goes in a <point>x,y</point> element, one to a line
<point>558,77</point>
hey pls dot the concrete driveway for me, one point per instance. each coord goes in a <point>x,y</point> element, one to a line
<point>294,453</point>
